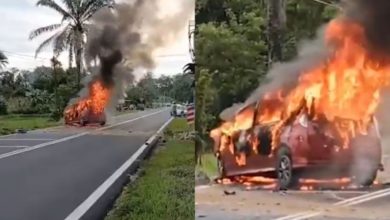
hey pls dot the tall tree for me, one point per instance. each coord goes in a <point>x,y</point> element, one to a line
<point>276,12</point>
<point>3,60</point>
<point>71,32</point>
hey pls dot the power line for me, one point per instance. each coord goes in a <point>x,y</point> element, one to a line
<point>23,55</point>
<point>29,56</point>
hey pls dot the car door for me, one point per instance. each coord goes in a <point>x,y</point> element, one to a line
<point>320,147</point>
<point>296,137</point>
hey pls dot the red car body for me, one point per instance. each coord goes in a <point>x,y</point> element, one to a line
<point>305,144</point>
<point>85,117</point>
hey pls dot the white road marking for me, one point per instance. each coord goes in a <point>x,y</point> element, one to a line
<point>2,146</point>
<point>325,191</point>
<point>12,153</point>
<point>288,217</point>
<point>355,202</point>
<point>345,203</point>
<point>362,196</point>
<point>93,198</point>
<point>26,139</point>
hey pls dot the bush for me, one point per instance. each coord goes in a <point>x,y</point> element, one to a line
<point>20,105</point>
<point>3,106</point>
<point>41,101</point>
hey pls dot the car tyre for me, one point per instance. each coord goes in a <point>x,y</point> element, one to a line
<point>365,165</point>
<point>83,122</point>
<point>363,171</point>
<point>284,168</point>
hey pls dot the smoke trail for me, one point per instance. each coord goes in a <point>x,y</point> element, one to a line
<point>124,38</point>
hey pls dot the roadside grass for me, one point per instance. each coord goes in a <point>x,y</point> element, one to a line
<point>209,166</point>
<point>10,123</point>
<point>165,189</point>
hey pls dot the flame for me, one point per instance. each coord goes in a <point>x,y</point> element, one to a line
<point>266,183</point>
<point>95,102</point>
<point>343,91</point>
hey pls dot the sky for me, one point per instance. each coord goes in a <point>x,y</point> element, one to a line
<point>20,17</point>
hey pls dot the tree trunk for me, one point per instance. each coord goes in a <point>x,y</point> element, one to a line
<point>276,12</point>
<point>78,67</point>
<point>80,62</point>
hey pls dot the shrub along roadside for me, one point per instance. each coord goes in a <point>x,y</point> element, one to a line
<point>165,190</point>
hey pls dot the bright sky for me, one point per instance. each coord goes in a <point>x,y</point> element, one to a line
<point>20,17</point>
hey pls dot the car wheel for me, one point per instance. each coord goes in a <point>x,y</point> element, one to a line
<point>364,167</point>
<point>83,122</point>
<point>102,123</point>
<point>363,171</point>
<point>284,168</point>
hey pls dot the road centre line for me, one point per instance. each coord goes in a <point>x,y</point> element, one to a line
<point>80,211</point>
<point>345,203</point>
<point>26,139</point>
<point>2,146</point>
<point>12,153</point>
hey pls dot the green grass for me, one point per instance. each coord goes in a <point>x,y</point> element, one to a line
<point>9,123</point>
<point>165,190</point>
<point>209,166</point>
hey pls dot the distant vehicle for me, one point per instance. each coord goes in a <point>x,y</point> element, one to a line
<point>303,144</point>
<point>181,111</point>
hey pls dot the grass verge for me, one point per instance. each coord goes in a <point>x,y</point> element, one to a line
<point>165,189</point>
<point>10,123</point>
<point>209,166</point>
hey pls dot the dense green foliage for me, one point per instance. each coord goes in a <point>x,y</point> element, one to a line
<point>232,48</point>
<point>162,89</point>
<point>45,91</point>
<point>36,92</point>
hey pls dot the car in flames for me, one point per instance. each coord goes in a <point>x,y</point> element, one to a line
<point>304,142</point>
<point>75,115</point>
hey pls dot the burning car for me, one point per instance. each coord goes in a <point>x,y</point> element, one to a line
<point>323,119</point>
<point>90,109</point>
<point>84,116</point>
<point>305,142</point>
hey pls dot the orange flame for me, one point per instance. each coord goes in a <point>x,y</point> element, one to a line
<point>343,90</point>
<point>95,103</point>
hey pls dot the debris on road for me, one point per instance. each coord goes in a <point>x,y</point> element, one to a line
<point>229,193</point>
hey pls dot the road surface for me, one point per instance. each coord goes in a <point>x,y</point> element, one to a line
<point>211,203</point>
<point>47,174</point>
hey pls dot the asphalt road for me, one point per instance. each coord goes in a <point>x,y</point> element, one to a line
<point>211,203</point>
<point>46,174</point>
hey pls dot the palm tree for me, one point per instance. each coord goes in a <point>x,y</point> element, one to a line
<point>3,60</point>
<point>71,32</point>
